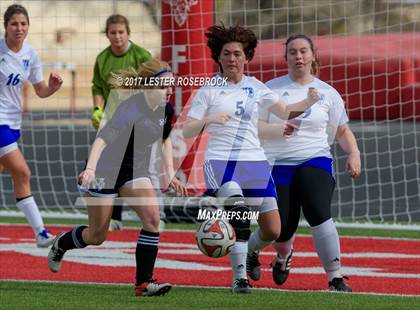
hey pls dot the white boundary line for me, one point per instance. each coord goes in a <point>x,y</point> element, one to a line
<point>211,287</point>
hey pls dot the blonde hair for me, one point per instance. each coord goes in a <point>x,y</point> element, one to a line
<point>150,68</point>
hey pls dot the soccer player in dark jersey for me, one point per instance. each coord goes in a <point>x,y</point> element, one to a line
<point>121,54</point>
<point>118,166</point>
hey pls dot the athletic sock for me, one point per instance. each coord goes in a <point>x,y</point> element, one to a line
<point>283,248</point>
<point>327,245</point>
<point>30,209</point>
<point>238,259</point>
<point>146,253</point>
<point>72,239</point>
<point>255,242</point>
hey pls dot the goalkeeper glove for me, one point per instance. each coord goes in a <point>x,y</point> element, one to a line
<point>96,116</point>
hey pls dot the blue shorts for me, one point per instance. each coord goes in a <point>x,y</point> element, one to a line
<point>253,177</point>
<point>8,139</point>
<point>283,174</point>
<point>8,136</point>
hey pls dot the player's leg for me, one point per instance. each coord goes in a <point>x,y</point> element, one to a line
<point>116,218</point>
<point>264,235</point>
<point>289,209</point>
<point>316,187</point>
<point>13,161</point>
<point>235,202</point>
<point>147,209</point>
<point>81,236</point>
<point>269,218</point>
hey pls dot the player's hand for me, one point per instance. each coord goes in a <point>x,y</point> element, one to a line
<point>54,82</point>
<point>178,187</point>
<point>289,129</point>
<point>86,177</point>
<point>96,116</point>
<point>218,118</point>
<point>313,96</point>
<point>353,164</point>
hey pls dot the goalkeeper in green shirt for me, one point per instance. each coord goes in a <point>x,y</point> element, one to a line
<point>120,55</point>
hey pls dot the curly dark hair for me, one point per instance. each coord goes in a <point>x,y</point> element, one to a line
<point>218,36</point>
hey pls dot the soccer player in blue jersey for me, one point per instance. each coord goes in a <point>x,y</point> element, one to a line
<point>235,166</point>
<point>19,62</point>
<point>303,164</point>
<point>118,166</point>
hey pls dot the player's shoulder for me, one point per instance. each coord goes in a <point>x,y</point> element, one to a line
<point>324,86</point>
<point>105,53</point>
<point>253,81</point>
<point>3,47</point>
<point>139,50</point>
<point>278,82</point>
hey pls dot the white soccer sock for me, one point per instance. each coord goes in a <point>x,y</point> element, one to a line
<point>255,243</point>
<point>283,248</point>
<point>327,244</point>
<point>29,207</point>
<point>238,260</point>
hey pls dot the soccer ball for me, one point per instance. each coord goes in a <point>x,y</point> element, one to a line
<point>215,238</point>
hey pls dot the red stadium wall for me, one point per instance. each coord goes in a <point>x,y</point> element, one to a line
<point>377,75</point>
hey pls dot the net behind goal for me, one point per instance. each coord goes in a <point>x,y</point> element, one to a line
<point>369,51</point>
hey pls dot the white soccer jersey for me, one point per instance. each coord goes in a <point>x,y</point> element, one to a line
<point>238,138</point>
<point>15,69</point>
<point>317,126</point>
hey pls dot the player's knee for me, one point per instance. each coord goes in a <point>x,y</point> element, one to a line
<point>240,223</point>
<point>270,233</point>
<point>229,189</point>
<point>151,224</point>
<point>317,218</point>
<point>235,205</point>
<point>286,233</point>
<point>22,175</point>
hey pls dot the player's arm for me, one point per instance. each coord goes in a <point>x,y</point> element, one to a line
<point>88,175</point>
<point>43,90</point>
<point>169,167</point>
<point>283,111</point>
<point>193,127</point>
<point>98,110</point>
<point>348,143</point>
<point>98,98</point>
<point>267,131</point>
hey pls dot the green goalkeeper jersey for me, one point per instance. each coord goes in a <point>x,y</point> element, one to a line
<point>107,62</point>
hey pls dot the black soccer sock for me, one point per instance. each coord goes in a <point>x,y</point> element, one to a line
<point>146,252</point>
<point>72,239</point>
<point>117,213</point>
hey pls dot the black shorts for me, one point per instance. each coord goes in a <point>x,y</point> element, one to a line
<point>110,178</point>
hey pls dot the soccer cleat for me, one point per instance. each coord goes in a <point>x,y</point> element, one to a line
<point>44,239</point>
<point>281,268</point>
<point>152,288</point>
<point>338,285</point>
<point>253,269</point>
<point>115,225</point>
<point>241,286</point>
<point>55,256</point>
